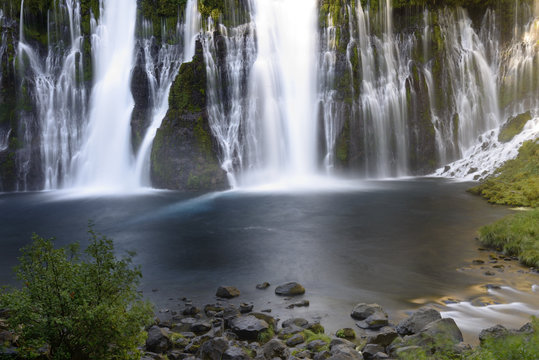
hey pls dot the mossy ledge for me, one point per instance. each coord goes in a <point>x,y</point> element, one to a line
<point>184,152</point>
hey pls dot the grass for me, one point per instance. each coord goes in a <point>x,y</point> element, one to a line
<point>515,235</point>
<point>513,127</point>
<point>512,347</point>
<point>516,183</point>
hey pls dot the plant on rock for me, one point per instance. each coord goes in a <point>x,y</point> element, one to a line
<point>77,305</point>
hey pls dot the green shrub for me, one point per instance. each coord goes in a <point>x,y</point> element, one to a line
<point>513,347</point>
<point>80,305</point>
<point>515,235</point>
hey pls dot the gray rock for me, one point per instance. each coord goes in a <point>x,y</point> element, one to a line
<point>322,355</point>
<point>362,311</point>
<point>246,308</point>
<point>213,349</point>
<point>200,327</point>
<point>384,337</point>
<point>346,333</point>
<point>295,321</point>
<point>190,310</point>
<point>290,330</point>
<point>248,327</point>
<point>380,356</point>
<point>263,286</point>
<point>275,349</point>
<point>370,350</point>
<point>316,345</point>
<point>267,318</point>
<point>446,328</point>
<point>158,340</point>
<point>235,353</point>
<point>295,339</point>
<point>227,292</point>
<point>417,321</point>
<point>336,342</point>
<point>177,355</point>
<point>526,329</point>
<point>290,289</point>
<point>344,352</point>
<point>496,332</point>
<point>213,308</point>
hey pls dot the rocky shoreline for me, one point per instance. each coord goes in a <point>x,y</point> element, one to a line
<point>222,330</point>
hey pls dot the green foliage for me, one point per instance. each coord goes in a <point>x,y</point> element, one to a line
<point>266,335</point>
<point>515,235</point>
<point>513,127</point>
<point>82,305</point>
<point>512,347</point>
<point>516,183</point>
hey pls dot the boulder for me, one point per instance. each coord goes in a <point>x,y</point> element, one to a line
<point>200,327</point>
<point>245,308</point>
<point>370,350</point>
<point>263,286</point>
<point>290,289</point>
<point>446,328</point>
<point>383,337</point>
<point>346,333</point>
<point>372,316</point>
<point>227,292</point>
<point>248,327</point>
<point>322,355</point>
<point>417,321</point>
<point>158,340</point>
<point>275,349</point>
<point>213,349</point>
<point>235,353</point>
<point>496,332</point>
<point>317,345</point>
<point>295,321</point>
<point>344,352</point>
<point>296,339</point>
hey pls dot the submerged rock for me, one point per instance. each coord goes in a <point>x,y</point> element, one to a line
<point>227,292</point>
<point>290,289</point>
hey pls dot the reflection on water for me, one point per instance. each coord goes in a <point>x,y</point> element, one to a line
<point>389,242</point>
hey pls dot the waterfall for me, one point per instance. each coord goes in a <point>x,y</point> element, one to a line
<point>105,159</point>
<point>59,99</point>
<point>265,121</point>
<point>161,74</point>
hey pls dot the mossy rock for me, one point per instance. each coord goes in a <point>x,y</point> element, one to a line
<point>513,127</point>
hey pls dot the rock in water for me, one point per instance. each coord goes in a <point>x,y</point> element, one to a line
<point>227,292</point>
<point>290,289</point>
<point>417,321</point>
<point>248,327</point>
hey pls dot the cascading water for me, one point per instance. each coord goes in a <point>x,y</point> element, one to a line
<point>160,76</point>
<point>268,130</point>
<point>105,159</point>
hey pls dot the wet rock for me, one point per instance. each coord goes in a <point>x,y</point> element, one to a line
<point>295,339</point>
<point>489,273</point>
<point>290,289</point>
<point>380,356</point>
<point>370,350</point>
<point>267,318</point>
<point>158,340</point>
<point>227,292</point>
<point>303,303</point>
<point>290,330</point>
<point>215,308</point>
<point>300,322</point>
<point>344,352</point>
<point>200,327</point>
<point>496,332</point>
<point>248,327</point>
<point>372,316</point>
<point>235,353</point>
<point>322,355</point>
<point>275,349</point>
<point>478,262</point>
<point>346,333</point>
<point>190,310</point>
<point>246,308</point>
<point>263,286</point>
<point>317,345</point>
<point>417,321</point>
<point>384,337</point>
<point>213,349</point>
<point>316,328</point>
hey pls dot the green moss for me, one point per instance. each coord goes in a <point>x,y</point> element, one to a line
<point>342,147</point>
<point>266,335</point>
<point>516,183</point>
<point>513,127</point>
<point>515,235</point>
<point>311,336</point>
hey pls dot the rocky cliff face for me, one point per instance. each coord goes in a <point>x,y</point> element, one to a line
<point>184,153</point>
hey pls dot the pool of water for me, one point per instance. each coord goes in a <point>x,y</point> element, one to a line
<point>397,243</point>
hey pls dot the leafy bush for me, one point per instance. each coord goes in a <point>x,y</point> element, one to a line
<point>515,235</point>
<point>77,305</point>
